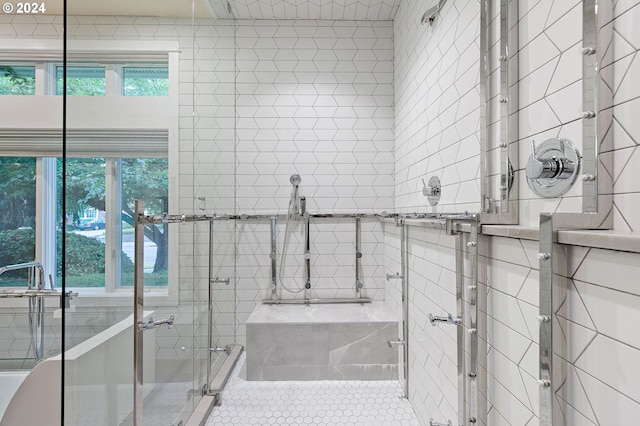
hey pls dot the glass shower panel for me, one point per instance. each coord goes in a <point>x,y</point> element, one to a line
<point>30,223</point>
<point>214,181</point>
<point>130,114</point>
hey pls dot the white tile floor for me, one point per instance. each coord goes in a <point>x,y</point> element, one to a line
<point>335,403</point>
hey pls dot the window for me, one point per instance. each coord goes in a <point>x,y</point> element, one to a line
<point>94,185</point>
<point>90,187</point>
<point>106,149</point>
<point>145,81</point>
<point>82,80</point>
<point>146,179</point>
<point>17,80</point>
<point>17,216</point>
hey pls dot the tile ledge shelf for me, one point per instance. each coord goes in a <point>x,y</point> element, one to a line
<point>605,239</point>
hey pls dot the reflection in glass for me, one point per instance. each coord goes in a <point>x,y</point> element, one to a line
<point>17,80</point>
<point>17,216</point>
<point>82,81</point>
<point>146,179</point>
<point>146,81</point>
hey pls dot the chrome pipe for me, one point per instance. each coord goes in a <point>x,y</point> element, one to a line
<point>307,257</point>
<point>358,259</point>
<point>10,294</point>
<point>404,266</point>
<point>545,317</point>
<point>38,303</point>
<point>138,314</point>
<point>315,301</point>
<point>273,256</point>
<point>477,409</point>
<point>35,285</point>
<point>461,338</point>
<point>183,218</point>
<point>210,307</point>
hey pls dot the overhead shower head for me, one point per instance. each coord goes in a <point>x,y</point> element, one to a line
<point>295,180</point>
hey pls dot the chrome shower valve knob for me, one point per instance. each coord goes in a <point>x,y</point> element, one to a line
<point>552,168</point>
<point>433,190</point>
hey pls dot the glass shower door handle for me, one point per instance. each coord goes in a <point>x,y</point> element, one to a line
<point>151,324</point>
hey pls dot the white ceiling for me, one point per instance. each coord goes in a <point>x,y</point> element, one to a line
<point>315,9</point>
<point>240,9</point>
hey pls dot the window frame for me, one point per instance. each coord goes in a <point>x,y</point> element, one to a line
<point>114,54</point>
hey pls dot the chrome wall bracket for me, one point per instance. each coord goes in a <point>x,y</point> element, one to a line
<point>217,349</point>
<point>552,167</point>
<point>449,319</point>
<point>553,301</point>
<point>499,112</point>
<point>432,423</point>
<point>218,280</point>
<point>151,324</point>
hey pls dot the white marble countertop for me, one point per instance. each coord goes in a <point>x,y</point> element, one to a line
<point>322,313</point>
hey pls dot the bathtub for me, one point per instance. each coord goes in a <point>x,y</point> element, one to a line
<point>98,381</point>
<point>10,381</point>
<point>321,342</point>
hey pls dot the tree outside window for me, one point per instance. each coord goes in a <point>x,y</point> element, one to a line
<point>17,80</point>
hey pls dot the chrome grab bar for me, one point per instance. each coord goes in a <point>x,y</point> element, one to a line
<point>449,319</point>
<point>35,293</point>
<point>151,324</point>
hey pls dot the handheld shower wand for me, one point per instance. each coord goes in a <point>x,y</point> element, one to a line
<point>295,180</point>
<point>294,206</point>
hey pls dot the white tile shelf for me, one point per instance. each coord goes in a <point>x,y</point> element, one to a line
<point>322,342</point>
<point>603,239</point>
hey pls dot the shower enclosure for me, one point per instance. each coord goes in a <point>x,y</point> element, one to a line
<point>114,116</point>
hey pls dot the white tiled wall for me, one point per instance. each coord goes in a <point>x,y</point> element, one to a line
<point>550,35</point>
<point>363,111</point>
<point>315,98</point>
<point>437,105</point>
<point>433,374</point>
<point>550,99</point>
<point>601,343</point>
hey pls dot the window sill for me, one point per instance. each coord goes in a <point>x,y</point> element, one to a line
<point>96,297</point>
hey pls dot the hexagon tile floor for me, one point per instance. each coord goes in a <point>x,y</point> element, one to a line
<point>329,403</point>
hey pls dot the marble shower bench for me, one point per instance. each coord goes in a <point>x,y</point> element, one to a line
<point>321,342</point>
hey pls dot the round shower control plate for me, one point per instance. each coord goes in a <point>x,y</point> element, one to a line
<point>553,151</point>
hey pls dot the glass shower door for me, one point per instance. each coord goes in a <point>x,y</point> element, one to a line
<point>128,87</point>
